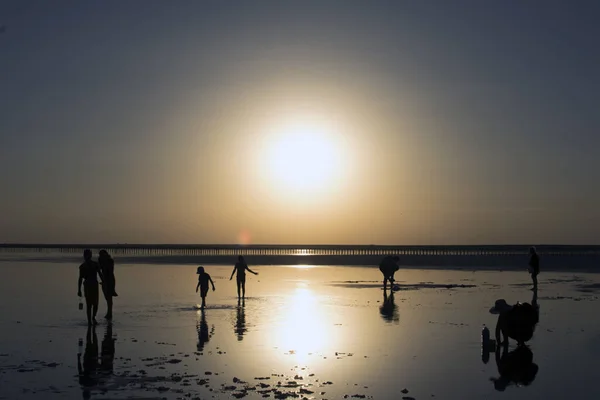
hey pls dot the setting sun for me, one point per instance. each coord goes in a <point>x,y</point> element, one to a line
<point>302,157</point>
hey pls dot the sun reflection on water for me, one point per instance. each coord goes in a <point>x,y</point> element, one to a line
<point>304,330</point>
<point>304,266</point>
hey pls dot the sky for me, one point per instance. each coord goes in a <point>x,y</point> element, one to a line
<point>308,122</point>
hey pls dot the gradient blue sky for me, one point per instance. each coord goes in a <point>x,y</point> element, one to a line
<point>137,121</point>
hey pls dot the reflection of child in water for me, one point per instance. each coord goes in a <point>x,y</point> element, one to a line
<point>203,280</point>
<point>203,332</point>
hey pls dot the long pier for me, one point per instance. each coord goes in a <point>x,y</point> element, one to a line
<point>301,253</point>
<point>300,250</point>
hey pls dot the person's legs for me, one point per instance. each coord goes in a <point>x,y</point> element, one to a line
<point>107,291</point>
<point>386,278</point>
<point>203,293</point>
<point>243,288</point>
<point>94,312</point>
<point>535,281</point>
<point>88,303</point>
<point>95,299</point>
<point>239,284</point>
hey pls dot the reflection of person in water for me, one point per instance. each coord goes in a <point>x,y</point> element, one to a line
<point>88,373</point>
<point>108,351</point>
<point>203,332</point>
<point>517,322</point>
<point>515,367</point>
<point>388,267</point>
<point>389,309</point>
<point>240,321</point>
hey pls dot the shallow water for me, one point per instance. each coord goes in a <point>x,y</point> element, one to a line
<point>324,328</point>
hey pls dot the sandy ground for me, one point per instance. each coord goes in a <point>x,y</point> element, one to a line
<point>302,332</point>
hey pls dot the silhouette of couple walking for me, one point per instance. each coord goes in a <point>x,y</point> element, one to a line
<point>89,272</point>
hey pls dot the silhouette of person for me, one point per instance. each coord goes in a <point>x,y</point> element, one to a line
<point>107,267</point>
<point>203,332</point>
<point>240,268</point>
<point>515,367</point>
<point>108,351</point>
<point>388,309</point>
<point>88,275</point>
<point>517,322</point>
<point>203,280</point>
<point>88,372</point>
<point>388,267</point>
<point>534,266</point>
<point>240,321</point>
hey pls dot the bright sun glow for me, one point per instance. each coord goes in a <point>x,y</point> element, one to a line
<point>303,157</point>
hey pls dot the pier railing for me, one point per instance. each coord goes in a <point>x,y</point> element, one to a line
<point>301,250</point>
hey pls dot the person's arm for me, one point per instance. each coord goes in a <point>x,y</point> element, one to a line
<point>198,285</point>
<point>498,358</point>
<point>249,270</point>
<point>499,329</point>
<point>233,272</point>
<point>99,273</point>
<point>111,271</point>
<point>79,282</point>
<point>211,282</point>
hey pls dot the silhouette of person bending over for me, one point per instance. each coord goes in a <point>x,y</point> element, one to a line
<point>203,280</point>
<point>517,322</point>
<point>240,268</point>
<point>107,266</point>
<point>388,267</point>
<point>88,275</point>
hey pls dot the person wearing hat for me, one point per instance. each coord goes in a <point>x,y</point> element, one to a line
<point>517,322</point>
<point>203,280</point>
